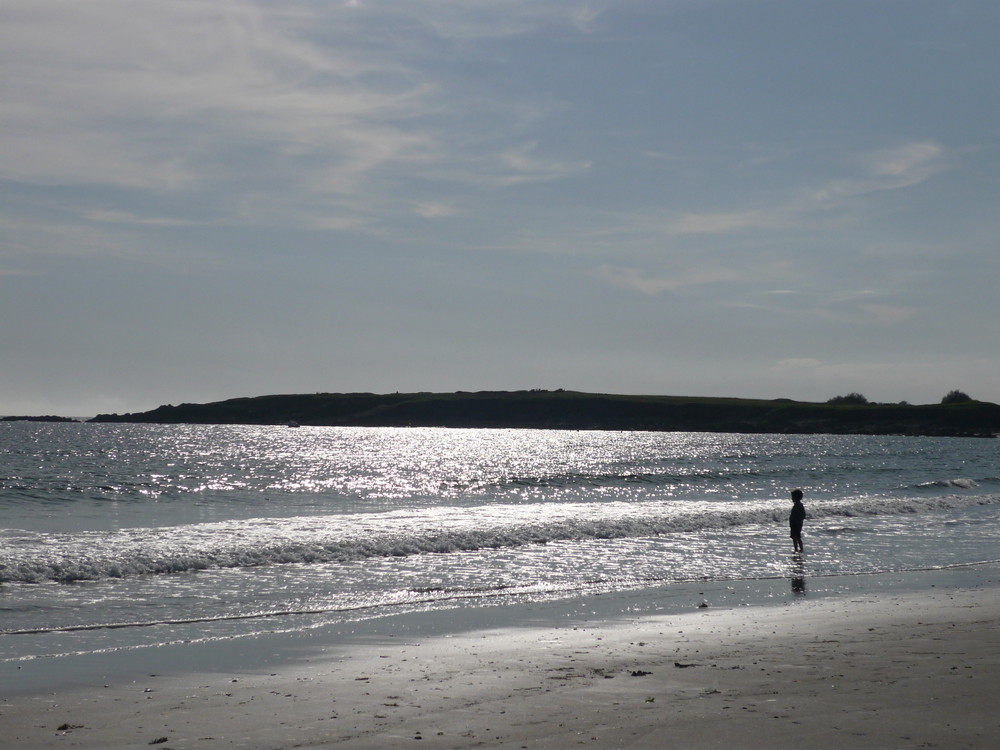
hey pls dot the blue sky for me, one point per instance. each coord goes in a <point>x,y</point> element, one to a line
<point>202,199</point>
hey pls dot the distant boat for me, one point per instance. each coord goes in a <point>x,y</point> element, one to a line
<point>293,423</point>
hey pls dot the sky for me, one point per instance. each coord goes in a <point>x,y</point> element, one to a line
<point>205,199</point>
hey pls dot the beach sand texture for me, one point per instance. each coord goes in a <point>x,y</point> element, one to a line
<point>860,671</point>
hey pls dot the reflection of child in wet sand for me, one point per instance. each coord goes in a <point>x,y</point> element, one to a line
<point>795,519</point>
<point>798,576</point>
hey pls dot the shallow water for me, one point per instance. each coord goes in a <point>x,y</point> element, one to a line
<point>131,536</point>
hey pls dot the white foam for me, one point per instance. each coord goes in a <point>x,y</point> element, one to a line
<point>38,557</point>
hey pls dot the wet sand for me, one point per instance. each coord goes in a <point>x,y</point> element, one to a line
<point>862,670</point>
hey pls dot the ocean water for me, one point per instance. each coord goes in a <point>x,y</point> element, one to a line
<point>115,538</point>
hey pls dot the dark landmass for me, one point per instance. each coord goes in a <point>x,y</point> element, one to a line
<point>583,411</point>
<point>38,419</point>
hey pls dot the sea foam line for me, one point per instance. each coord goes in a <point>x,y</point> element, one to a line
<point>455,596</point>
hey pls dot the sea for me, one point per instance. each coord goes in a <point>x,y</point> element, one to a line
<point>124,538</point>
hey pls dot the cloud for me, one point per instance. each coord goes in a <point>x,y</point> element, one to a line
<point>585,17</point>
<point>259,112</point>
<point>867,307</point>
<point>166,95</point>
<point>477,21</point>
<point>33,237</point>
<point>799,209</point>
<point>907,164</point>
<point>125,217</point>
<point>895,168</point>
<point>724,223</point>
<point>434,210</point>
<point>521,164</point>
<point>632,278</point>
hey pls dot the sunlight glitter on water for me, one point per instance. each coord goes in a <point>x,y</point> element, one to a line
<point>172,524</point>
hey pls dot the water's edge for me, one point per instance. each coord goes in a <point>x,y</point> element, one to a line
<point>272,652</point>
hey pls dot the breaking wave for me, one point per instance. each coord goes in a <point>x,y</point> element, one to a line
<point>35,557</point>
<point>962,484</point>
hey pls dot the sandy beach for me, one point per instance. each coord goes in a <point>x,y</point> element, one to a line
<point>862,670</point>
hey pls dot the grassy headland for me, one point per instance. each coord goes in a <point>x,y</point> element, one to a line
<point>583,411</point>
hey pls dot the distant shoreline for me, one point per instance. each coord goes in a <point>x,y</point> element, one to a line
<point>47,418</point>
<point>539,409</point>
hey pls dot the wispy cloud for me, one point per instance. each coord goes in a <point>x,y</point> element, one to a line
<point>725,223</point>
<point>125,217</point>
<point>895,168</point>
<point>432,210</point>
<point>586,15</point>
<point>892,169</point>
<point>30,237</point>
<point>633,278</point>
<point>866,307</point>
<point>228,101</point>
<point>471,21</point>
<point>171,95</point>
<point>770,243</point>
<point>907,164</point>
